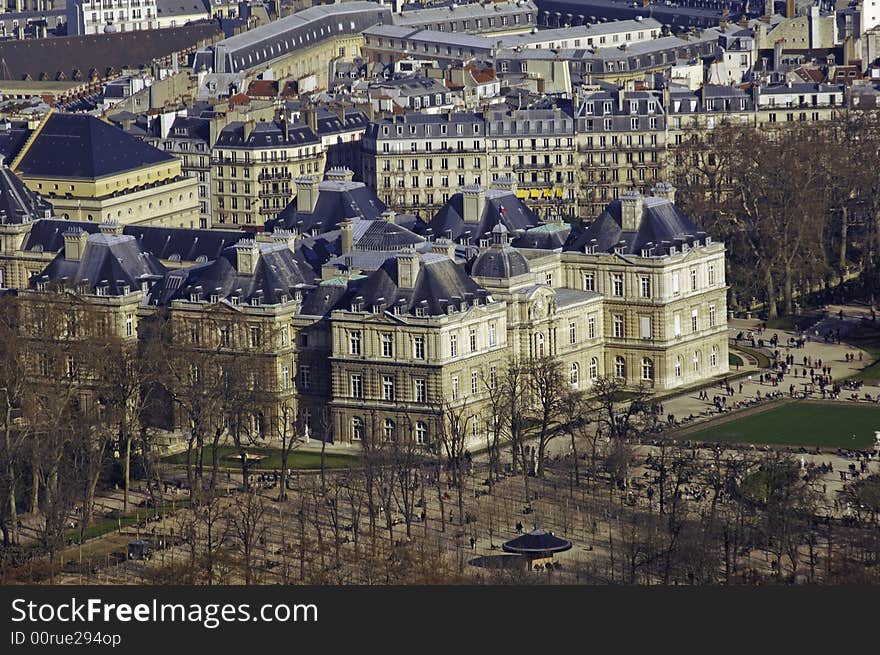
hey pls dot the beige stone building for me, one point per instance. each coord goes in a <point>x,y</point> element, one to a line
<point>89,170</point>
<point>254,168</point>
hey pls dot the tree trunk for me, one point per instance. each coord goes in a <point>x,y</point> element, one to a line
<point>844,229</point>
<point>770,287</point>
<point>126,469</point>
<point>788,291</point>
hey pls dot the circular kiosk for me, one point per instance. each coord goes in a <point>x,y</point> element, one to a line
<point>537,547</point>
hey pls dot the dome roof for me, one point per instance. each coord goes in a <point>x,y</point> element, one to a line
<point>500,262</point>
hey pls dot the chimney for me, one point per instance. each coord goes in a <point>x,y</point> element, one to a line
<point>768,8</point>
<point>75,243</point>
<point>620,93</point>
<point>248,128</point>
<point>285,129</point>
<point>630,210</point>
<point>346,228</point>
<point>110,227</point>
<point>504,183</point>
<point>790,8</point>
<point>306,193</point>
<point>664,190</point>
<point>473,200</point>
<point>287,237</point>
<point>408,264</point>
<point>340,174</point>
<point>247,254</point>
<point>389,215</point>
<point>443,246</point>
<point>309,116</point>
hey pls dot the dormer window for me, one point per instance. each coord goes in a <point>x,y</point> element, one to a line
<point>235,300</point>
<point>215,298</point>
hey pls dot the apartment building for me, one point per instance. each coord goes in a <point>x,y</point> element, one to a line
<point>254,166</point>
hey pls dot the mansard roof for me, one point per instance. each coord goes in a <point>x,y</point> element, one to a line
<point>501,206</point>
<point>113,261</point>
<point>337,200</point>
<point>440,282</point>
<point>662,225</point>
<point>278,272</point>
<point>18,204</point>
<point>168,243</point>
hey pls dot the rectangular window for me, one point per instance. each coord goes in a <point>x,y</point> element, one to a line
<point>357,386</point>
<point>617,284</point>
<point>711,274</point>
<point>493,377</point>
<point>419,347</point>
<point>711,315</point>
<point>305,377</point>
<point>453,345</point>
<point>354,343</point>
<point>676,325</point>
<point>591,327</point>
<point>472,338</point>
<point>491,334</point>
<point>255,336</point>
<point>455,387</point>
<point>694,320</point>
<point>387,345</point>
<point>285,377</point>
<point>474,382</point>
<point>693,279</point>
<point>283,336</point>
<point>572,332</point>
<point>645,327</point>
<point>421,390</point>
<point>129,325</point>
<point>387,387</point>
<point>618,326</point>
<point>646,287</point>
<point>589,281</point>
<point>675,284</point>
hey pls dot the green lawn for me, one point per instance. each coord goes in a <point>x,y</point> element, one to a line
<point>868,339</point>
<point>791,323</point>
<point>271,459</point>
<point>799,424</point>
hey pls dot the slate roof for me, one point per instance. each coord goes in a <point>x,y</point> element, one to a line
<point>501,206</point>
<point>163,242</point>
<point>166,8</point>
<point>114,259</point>
<point>266,134</point>
<point>499,262</point>
<point>31,57</point>
<point>18,204</point>
<point>278,272</point>
<point>440,281</point>
<point>337,201</point>
<point>79,146</point>
<point>662,226</point>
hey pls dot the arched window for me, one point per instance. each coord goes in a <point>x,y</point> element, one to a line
<point>647,368</point>
<point>620,367</point>
<point>574,376</point>
<point>421,433</point>
<point>594,369</point>
<point>678,367</point>
<point>696,360</point>
<point>388,429</point>
<point>357,429</point>
<point>539,340</point>
<point>713,358</point>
